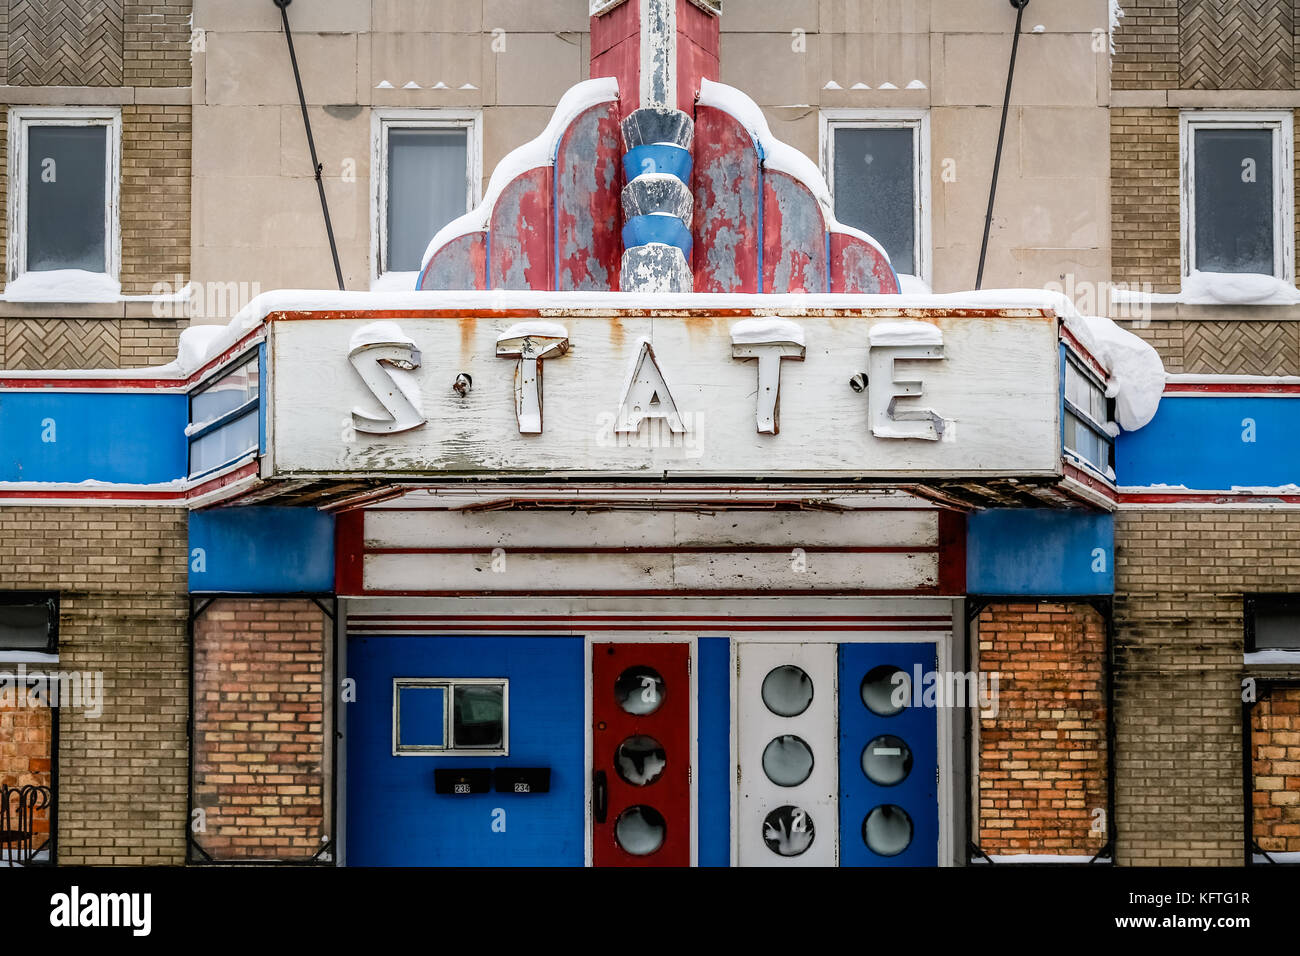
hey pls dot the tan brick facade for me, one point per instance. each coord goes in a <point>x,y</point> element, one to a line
<point>1146,47</point>
<point>1275,765</point>
<point>1232,347</point>
<point>121,579</point>
<point>1180,576</point>
<point>1043,758</point>
<point>261,775</point>
<point>1145,236</point>
<point>155,213</point>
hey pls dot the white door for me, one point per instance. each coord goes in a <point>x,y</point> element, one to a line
<point>788,776</point>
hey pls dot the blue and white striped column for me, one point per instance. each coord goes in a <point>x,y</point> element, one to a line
<point>657,201</point>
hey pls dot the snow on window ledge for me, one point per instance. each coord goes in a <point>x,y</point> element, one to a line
<point>395,282</point>
<point>1218,288</point>
<point>1272,657</point>
<point>63,285</point>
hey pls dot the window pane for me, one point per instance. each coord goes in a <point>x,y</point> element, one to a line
<point>478,716</point>
<point>227,443</point>
<point>226,394</point>
<point>24,627</point>
<point>65,197</point>
<point>875,188</point>
<point>1277,627</point>
<point>427,185</point>
<point>1234,200</point>
<point>421,716</point>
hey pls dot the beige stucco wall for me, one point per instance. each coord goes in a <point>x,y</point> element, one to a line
<point>256,216</point>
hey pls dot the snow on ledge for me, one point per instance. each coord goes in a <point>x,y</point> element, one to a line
<point>1137,377</point>
<point>1218,288</point>
<point>759,331</point>
<point>531,155</point>
<point>63,285</point>
<point>905,333</point>
<point>777,155</point>
<point>1272,657</point>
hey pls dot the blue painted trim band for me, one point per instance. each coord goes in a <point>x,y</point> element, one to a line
<point>658,158</point>
<point>262,550</point>
<point>828,263</point>
<point>669,230</point>
<point>1037,552</point>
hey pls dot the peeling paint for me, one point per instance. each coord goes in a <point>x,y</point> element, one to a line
<point>588,169</point>
<point>794,240</point>
<point>520,233</point>
<point>460,265</point>
<point>726,198</point>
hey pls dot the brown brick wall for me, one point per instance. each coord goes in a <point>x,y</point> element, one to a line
<point>121,578</point>
<point>1042,758</point>
<point>1180,576</point>
<point>1146,46</point>
<point>1275,757</point>
<point>155,194</point>
<point>1233,347</point>
<point>261,741</point>
<point>156,42</point>
<point>1145,234</point>
<point>25,746</point>
<point>87,343</point>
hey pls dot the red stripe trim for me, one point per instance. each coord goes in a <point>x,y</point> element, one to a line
<point>1219,498</point>
<point>512,626</point>
<point>667,549</point>
<point>1082,352</point>
<point>158,384</point>
<point>932,590</point>
<point>881,311</point>
<point>1232,388</point>
<point>1090,480</point>
<point>584,618</point>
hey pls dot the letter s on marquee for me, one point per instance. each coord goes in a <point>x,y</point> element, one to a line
<point>385,367</point>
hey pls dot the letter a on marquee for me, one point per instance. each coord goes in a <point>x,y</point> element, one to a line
<point>647,396</point>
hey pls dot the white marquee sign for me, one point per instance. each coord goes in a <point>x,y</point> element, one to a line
<point>623,395</point>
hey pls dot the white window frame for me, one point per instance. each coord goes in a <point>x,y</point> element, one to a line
<point>382,120</point>
<point>1282,125</point>
<point>23,118</point>
<point>449,685</point>
<point>917,120</point>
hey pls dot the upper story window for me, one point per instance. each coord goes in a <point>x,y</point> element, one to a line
<point>877,165</point>
<point>28,622</point>
<point>1273,623</point>
<point>427,168</point>
<point>63,190</point>
<point>1238,214</point>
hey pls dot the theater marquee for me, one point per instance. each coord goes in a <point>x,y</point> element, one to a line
<point>636,394</point>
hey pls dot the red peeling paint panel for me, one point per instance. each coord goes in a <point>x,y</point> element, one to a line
<point>698,51</point>
<point>459,265</point>
<point>858,266</point>
<point>589,180</point>
<point>616,52</point>
<point>794,236</point>
<point>520,238</point>
<point>725,183</point>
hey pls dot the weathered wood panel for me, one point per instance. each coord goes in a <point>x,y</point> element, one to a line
<point>995,388</point>
<point>858,267</point>
<point>531,573</point>
<point>658,529</point>
<point>794,236</point>
<point>460,264</point>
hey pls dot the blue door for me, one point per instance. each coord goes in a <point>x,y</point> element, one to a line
<point>889,757</point>
<point>473,706</point>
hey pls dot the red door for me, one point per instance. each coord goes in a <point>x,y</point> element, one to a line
<point>641,754</point>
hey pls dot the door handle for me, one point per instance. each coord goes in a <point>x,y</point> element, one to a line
<point>600,794</point>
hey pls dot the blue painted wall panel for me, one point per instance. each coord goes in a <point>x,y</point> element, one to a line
<point>1031,552</point>
<point>714,751</point>
<point>395,818</point>
<point>129,438</point>
<point>261,550</point>
<point>1209,444</point>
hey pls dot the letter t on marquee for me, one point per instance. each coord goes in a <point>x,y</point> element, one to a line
<point>769,341</point>
<point>531,343</point>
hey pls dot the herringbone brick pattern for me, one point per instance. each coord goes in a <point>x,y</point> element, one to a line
<point>61,343</point>
<point>1237,44</point>
<point>65,43</point>
<point>1242,348</point>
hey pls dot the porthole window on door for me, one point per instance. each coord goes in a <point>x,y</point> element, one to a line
<point>887,830</point>
<point>639,690</point>
<point>887,760</point>
<point>788,831</point>
<point>787,760</point>
<point>640,830</point>
<point>787,690</point>
<point>886,690</point>
<point>640,760</point>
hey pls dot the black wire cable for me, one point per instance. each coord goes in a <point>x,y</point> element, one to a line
<point>1002,134</point>
<point>311,143</point>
